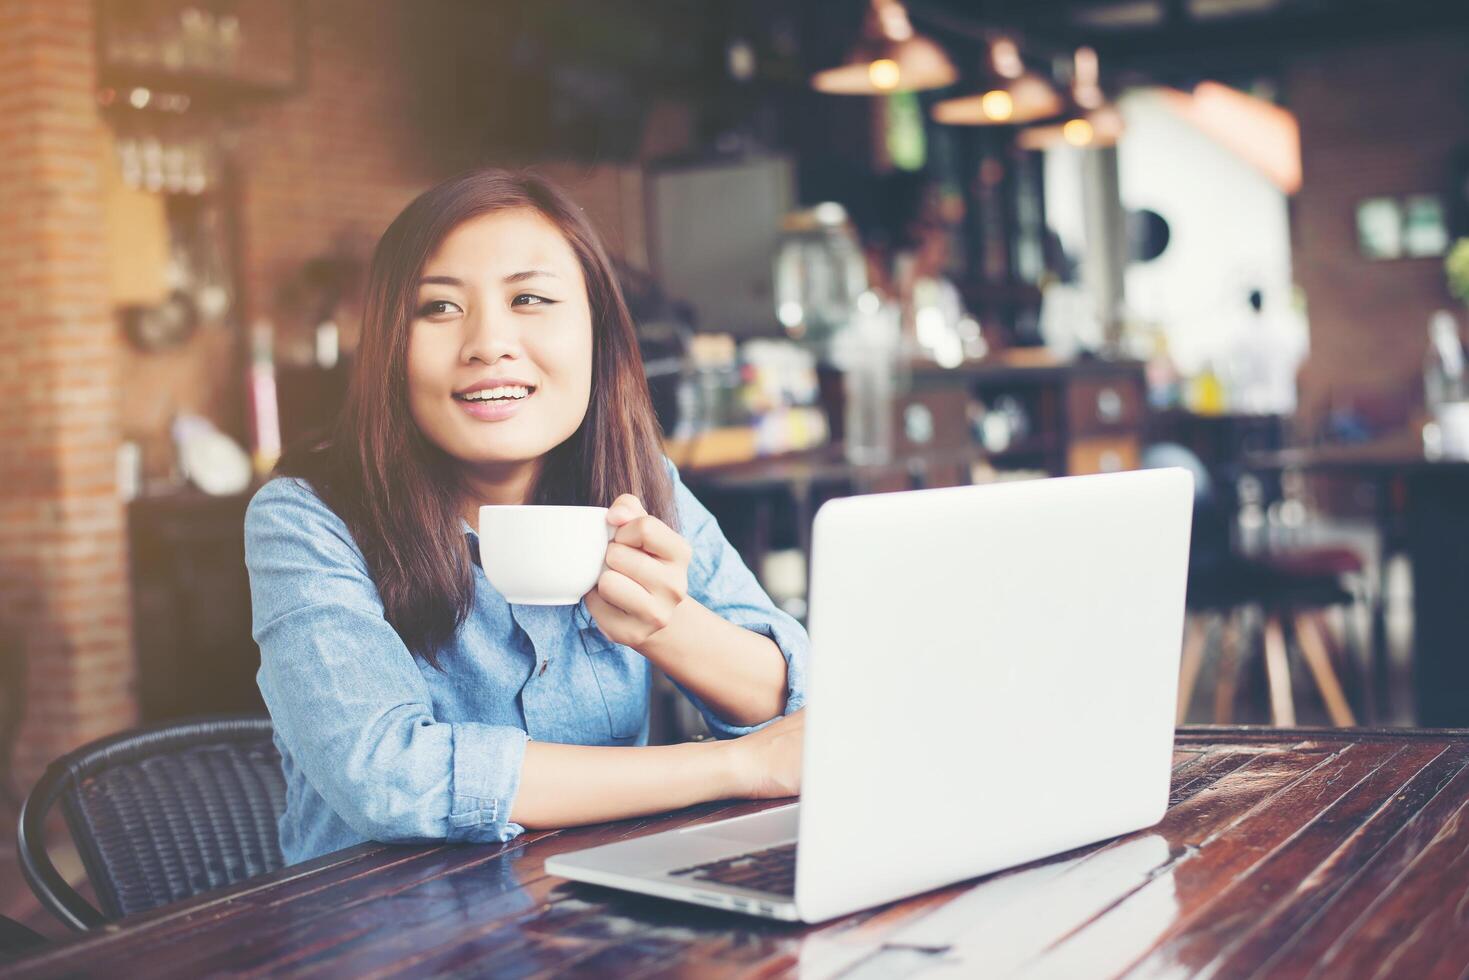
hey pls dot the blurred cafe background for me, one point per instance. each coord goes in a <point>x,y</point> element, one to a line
<point>870,245</point>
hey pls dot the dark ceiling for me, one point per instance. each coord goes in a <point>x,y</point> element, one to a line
<point>1164,38</point>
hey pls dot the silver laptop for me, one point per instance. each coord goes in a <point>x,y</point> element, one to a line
<point>993,680</point>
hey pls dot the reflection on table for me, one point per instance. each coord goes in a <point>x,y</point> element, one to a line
<point>1282,853</point>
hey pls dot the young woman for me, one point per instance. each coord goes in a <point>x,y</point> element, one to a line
<point>498,364</point>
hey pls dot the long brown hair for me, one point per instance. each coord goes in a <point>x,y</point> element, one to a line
<point>400,494</point>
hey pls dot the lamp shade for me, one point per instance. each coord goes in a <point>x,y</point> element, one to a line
<point>1090,121</point>
<point>1004,94</point>
<point>891,57</point>
<point>1012,102</point>
<point>1098,128</point>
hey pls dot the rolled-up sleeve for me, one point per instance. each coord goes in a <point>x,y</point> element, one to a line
<point>720,580</point>
<point>346,696</point>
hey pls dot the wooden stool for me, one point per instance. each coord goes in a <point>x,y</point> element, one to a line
<point>1296,600</point>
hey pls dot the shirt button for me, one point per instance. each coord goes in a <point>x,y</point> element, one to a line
<point>544,665</point>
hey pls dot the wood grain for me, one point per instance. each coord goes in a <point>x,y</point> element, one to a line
<point>1283,853</point>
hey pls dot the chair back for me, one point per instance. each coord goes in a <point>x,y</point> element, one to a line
<point>158,815</point>
<point>17,940</point>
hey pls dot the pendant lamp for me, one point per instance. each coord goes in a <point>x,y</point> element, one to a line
<point>891,57</point>
<point>1007,94</point>
<point>1089,120</point>
<point>1100,127</point>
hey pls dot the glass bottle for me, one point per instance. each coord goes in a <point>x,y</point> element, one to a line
<point>870,355</point>
<point>1443,364</point>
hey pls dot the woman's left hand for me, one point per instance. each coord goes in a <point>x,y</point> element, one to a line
<point>646,578</point>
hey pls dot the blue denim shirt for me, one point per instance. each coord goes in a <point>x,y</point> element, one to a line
<point>377,745</point>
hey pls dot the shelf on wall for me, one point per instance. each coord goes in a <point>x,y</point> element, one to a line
<point>205,90</point>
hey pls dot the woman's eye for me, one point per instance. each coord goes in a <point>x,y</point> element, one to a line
<point>530,299</point>
<point>437,307</point>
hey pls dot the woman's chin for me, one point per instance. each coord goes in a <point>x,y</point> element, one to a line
<point>500,448</point>
<point>505,447</point>
<point>497,458</point>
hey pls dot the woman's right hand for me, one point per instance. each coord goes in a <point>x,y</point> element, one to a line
<point>767,763</point>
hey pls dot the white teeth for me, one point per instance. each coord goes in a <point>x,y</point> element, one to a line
<point>503,391</point>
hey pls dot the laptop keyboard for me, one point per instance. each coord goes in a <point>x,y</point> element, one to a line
<point>771,870</point>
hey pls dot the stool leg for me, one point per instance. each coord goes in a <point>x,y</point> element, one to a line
<point>1337,629</point>
<point>1195,636</point>
<point>1313,649</point>
<point>1277,670</point>
<point>1228,678</point>
<point>1346,656</point>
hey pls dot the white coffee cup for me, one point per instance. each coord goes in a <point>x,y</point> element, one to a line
<point>543,555</point>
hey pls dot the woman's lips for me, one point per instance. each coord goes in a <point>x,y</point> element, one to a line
<point>493,411</point>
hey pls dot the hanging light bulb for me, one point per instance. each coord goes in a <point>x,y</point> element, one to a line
<point>885,74</point>
<point>891,57</point>
<point>1026,99</point>
<point>1098,128</point>
<point>1007,95</point>
<point>998,105</point>
<point>1078,131</point>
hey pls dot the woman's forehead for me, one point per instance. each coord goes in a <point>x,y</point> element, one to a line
<point>504,243</point>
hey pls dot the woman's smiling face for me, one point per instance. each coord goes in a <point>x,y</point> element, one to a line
<point>500,347</point>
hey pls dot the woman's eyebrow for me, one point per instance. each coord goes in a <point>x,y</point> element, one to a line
<point>530,274</point>
<point>513,277</point>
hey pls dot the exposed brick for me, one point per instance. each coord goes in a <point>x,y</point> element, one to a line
<point>1379,119</point>
<point>322,172</point>
<point>56,550</point>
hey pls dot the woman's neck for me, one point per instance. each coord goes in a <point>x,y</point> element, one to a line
<point>500,483</point>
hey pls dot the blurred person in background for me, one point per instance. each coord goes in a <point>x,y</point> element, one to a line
<point>1263,358</point>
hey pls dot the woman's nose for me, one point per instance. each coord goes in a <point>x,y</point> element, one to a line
<point>489,336</point>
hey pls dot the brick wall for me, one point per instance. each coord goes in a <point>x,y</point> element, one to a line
<point>63,584</point>
<point>1379,119</point>
<point>324,172</point>
<point>321,172</point>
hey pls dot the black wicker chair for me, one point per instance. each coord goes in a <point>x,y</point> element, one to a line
<point>158,814</point>
<point>17,940</point>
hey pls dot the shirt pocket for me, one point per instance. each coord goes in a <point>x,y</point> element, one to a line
<point>622,680</point>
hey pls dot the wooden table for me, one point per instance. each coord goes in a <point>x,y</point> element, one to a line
<point>1432,494</point>
<point>1283,853</point>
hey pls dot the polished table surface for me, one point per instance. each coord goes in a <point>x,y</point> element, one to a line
<point>1282,854</point>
